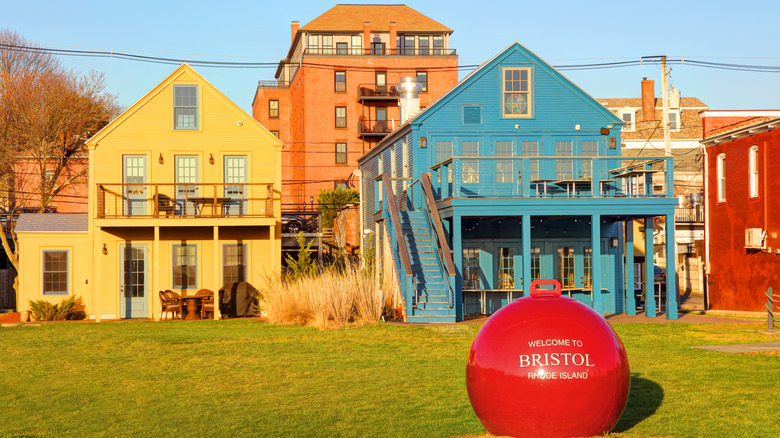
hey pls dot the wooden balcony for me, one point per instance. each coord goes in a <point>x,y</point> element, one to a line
<point>377,93</point>
<point>170,201</point>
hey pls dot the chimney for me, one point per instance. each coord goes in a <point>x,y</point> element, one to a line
<point>366,37</point>
<point>410,97</point>
<point>393,39</point>
<point>294,29</point>
<point>648,100</point>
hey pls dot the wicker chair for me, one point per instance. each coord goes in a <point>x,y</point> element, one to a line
<point>207,304</point>
<point>171,303</point>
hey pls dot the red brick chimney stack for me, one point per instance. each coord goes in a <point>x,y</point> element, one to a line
<point>366,37</point>
<point>648,100</point>
<point>393,39</point>
<point>294,29</point>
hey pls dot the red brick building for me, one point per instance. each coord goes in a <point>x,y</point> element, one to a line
<point>335,94</point>
<point>29,180</point>
<point>742,233</point>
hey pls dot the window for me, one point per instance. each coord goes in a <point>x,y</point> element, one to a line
<point>340,184</point>
<point>357,44</point>
<point>471,270</point>
<point>504,168</point>
<point>628,118</point>
<point>753,172</point>
<point>185,107</point>
<point>587,263</point>
<point>438,45</point>
<point>506,268</point>
<point>185,266</point>
<point>409,45</point>
<point>275,133</point>
<point>721,178</point>
<point>341,153</point>
<point>674,120</point>
<point>55,272</point>
<point>314,44</point>
<point>422,79</point>
<point>273,109</point>
<point>327,44</point>
<point>566,266</point>
<point>536,263</point>
<point>377,48</point>
<point>233,263</point>
<point>340,81</point>
<point>341,48</point>
<point>381,82</point>
<point>341,117</point>
<point>423,42</point>
<point>590,148</point>
<point>517,92</point>
<point>564,167</point>
<point>470,168</point>
<point>531,149</point>
<point>443,150</point>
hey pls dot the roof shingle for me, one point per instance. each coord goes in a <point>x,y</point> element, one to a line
<point>52,223</point>
<point>351,18</point>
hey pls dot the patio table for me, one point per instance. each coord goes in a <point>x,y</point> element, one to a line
<point>191,303</point>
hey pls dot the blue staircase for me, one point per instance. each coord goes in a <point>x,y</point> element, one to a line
<point>428,299</point>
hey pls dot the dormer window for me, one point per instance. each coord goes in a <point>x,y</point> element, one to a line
<point>628,118</point>
<point>185,107</point>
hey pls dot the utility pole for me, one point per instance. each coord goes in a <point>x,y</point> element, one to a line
<point>665,100</point>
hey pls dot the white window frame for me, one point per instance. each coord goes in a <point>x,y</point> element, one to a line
<point>182,125</point>
<point>721,177</point>
<point>677,114</point>
<point>66,271</point>
<point>628,126</point>
<point>753,171</point>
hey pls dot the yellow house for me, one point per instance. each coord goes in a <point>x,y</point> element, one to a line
<point>184,194</point>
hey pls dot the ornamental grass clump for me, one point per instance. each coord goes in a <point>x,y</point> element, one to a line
<point>43,310</point>
<point>333,299</point>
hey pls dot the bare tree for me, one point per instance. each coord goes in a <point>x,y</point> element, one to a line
<point>46,115</point>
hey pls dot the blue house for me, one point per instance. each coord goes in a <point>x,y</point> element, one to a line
<point>515,174</point>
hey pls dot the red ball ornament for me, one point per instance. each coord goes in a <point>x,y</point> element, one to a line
<point>547,366</point>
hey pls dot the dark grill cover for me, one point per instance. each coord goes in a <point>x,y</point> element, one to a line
<point>238,299</point>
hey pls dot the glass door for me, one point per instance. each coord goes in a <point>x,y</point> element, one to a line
<point>235,178</point>
<point>134,179</point>
<point>134,275</point>
<point>186,172</point>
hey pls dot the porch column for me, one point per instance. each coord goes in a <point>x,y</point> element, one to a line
<point>671,269</point>
<point>526,250</point>
<point>595,242</point>
<point>217,266</point>
<point>97,254</point>
<point>630,297</point>
<point>649,263</point>
<point>155,262</point>
<point>457,255</point>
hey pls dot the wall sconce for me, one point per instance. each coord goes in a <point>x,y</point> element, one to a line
<point>612,143</point>
<point>105,249</point>
<point>613,242</point>
<point>576,127</point>
<point>161,159</point>
<point>604,131</point>
<point>211,159</point>
<point>423,142</point>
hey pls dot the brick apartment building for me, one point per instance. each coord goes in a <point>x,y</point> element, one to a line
<point>335,94</point>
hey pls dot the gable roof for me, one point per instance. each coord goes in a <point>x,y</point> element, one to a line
<point>352,17</point>
<point>182,69</point>
<point>52,223</point>
<point>636,102</point>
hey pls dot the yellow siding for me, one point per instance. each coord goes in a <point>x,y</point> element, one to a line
<point>146,128</point>
<point>31,247</point>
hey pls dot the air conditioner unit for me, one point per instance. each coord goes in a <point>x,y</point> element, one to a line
<point>754,238</point>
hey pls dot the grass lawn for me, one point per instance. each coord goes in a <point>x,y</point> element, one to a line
<point>246,378</point>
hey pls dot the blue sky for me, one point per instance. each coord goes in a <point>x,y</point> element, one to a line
<point>561,32</point>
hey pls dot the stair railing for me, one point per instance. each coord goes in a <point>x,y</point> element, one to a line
<point>397,242</point>
<point>443,248</point>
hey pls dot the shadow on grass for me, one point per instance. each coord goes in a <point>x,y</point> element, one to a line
<point>643,400</point>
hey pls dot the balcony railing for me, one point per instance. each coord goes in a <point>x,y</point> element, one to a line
<point>368,127</point>
<point>572,177</point>
<point>378,51</point>
<point>222,200</point>
<point>273,84</point>
<point>377,92</point>
<point>689,214</point>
